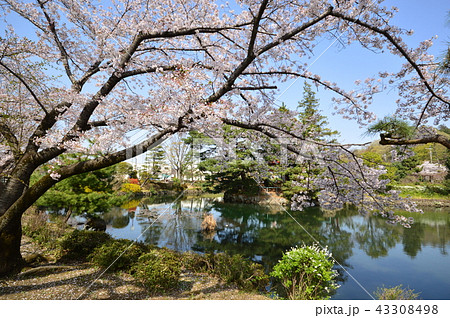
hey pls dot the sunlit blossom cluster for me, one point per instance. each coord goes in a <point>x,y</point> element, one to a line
<point>347,182</point>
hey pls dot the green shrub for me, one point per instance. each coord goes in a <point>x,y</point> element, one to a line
<point>77,245</point>
<point>395,293</point>
<point>158,270</point>
<point>306,273</point>
<point>118,254</point>
<point>177,185</point>
<point>235,269</point>
<point>194,262</point>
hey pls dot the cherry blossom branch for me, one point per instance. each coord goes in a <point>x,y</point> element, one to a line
<point>95,68</point>
<point>28,87</point>
<point>10,138</point>
<point>147,70</point>
<point>255,88</point>
<point>62,50</point>
<point>126,57</point>
<point>98,123</point>
<point>364,187</point>
<point>46,123</point>
<point>423,111</point>
<point>257,20</point>
<point>251,56</point>
<point>397,46</point>
<point>289,35</point>
<point>188,31</point>
<point>334,180</point>
<point>31,194</point>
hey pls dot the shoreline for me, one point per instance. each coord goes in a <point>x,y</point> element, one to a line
<point>437,203</point>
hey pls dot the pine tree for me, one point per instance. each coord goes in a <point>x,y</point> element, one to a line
<point>154,160</point>
<point>309,115</point>
<point>315,128</point>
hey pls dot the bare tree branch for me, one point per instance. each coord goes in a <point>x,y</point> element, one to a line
<point>437,138</point>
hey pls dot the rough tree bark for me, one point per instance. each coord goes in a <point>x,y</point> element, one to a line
<point>10,238</point>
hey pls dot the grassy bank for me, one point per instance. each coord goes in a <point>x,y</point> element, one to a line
<point>424,191</point>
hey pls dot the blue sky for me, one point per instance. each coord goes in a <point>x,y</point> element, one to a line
<point>345,65</point>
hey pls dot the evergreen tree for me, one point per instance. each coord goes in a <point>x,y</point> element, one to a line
<point>233,172</point>
<point>297,176</point>
<point>154,161</point>
<point>309,115</point>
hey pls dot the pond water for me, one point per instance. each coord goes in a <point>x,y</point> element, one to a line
<point>371,252</point>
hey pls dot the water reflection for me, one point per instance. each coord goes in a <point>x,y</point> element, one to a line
<point>375,237</point>
<point>263,234</point>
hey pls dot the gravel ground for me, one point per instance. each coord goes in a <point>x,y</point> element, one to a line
<point>82,281</point>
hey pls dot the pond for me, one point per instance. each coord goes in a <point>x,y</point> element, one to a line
<point>371,253</point>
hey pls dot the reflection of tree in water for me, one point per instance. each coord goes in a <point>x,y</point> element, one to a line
<point>179,229</point>
<point>375,237</point>
<point>117,217</point>
<point>412,239</point>
<point>339,241</point>
<point>429,229</point>
<point>176,225</point>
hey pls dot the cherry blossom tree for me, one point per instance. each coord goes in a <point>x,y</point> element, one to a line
<point>89,73</point>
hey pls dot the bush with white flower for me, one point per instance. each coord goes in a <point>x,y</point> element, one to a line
<point>306,273</point>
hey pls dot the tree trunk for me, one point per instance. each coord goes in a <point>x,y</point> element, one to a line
<point>10,239</point>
